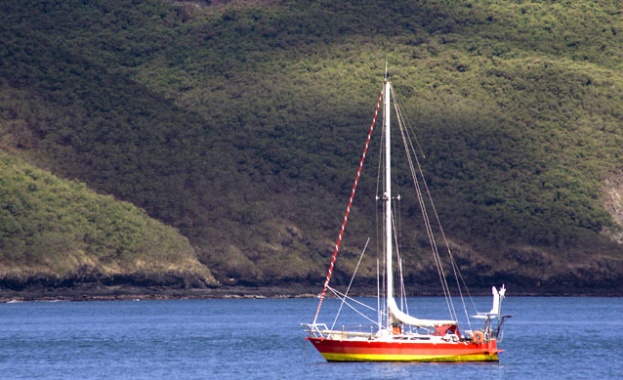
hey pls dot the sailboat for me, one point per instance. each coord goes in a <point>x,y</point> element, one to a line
<point>395,335</point>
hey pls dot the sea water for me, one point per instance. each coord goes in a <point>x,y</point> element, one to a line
<point>547,338</point>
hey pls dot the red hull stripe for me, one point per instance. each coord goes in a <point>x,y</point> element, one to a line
<point>407,351</point>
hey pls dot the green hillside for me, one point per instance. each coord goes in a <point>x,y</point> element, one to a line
<point>57,232</point>
<point>241,124</point>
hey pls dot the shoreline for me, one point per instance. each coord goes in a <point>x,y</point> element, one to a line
<point>128,293</point>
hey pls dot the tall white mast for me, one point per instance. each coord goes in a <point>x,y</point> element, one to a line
<point>394,314</point>
<point>388,202</point>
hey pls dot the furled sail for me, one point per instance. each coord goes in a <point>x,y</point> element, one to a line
<point>397,315</point>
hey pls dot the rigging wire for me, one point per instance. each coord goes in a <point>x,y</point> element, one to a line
<point>351,282</point>
<point>345,300</point>
<point>378,294</point>
<point>424,198</point>
<point>408,145</point>
<point>350,202</point>
<point>403,295</point>
<point>460,281</point>
<point>381,290</point>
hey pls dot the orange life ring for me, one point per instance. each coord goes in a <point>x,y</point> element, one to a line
<point>478,337</point>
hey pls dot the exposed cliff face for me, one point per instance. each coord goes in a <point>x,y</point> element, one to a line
<point>613,202</point>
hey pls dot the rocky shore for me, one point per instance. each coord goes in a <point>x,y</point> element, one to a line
<point>109,293</point>
<point>92,292</point>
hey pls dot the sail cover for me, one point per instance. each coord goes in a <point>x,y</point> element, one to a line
<point>396,315</point>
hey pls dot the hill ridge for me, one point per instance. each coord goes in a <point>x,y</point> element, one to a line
<point>240,124</point>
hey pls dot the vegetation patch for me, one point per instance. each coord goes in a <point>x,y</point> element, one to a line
<point>56,231</point>
<point>234,122</point>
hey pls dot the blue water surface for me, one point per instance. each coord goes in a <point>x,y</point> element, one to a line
<point>547,338</point>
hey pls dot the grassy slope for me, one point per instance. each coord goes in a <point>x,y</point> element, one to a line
<point>58,232</point>
<point>238,124</point>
